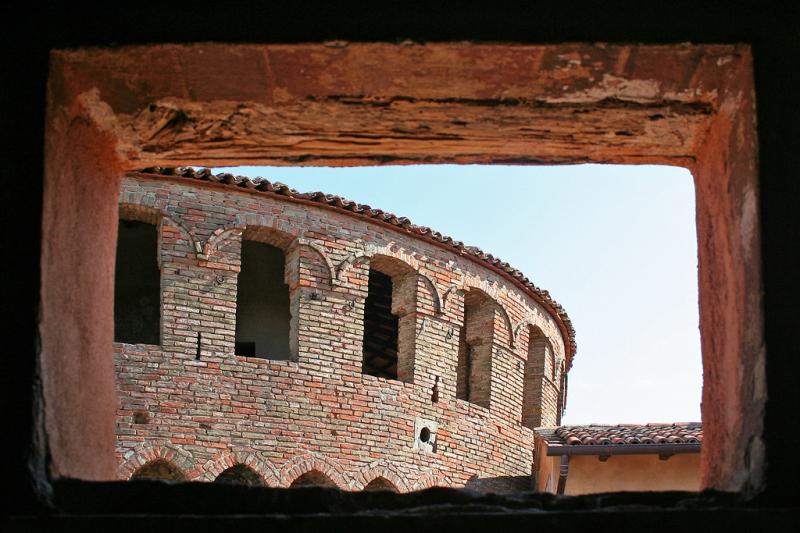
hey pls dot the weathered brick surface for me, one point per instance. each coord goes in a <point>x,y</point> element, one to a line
<point>317,411</point>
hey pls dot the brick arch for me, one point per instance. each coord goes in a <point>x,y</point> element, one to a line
<point>437,299</point>
<point>353,259</point>
<point>138,200</point>
<point>507,321</point>
<point>145,453</point>
<point>302,464</point>
<point>431,478</point>
<point>225,459</point>
<point>536,333</point>
<point>447,296</point>
<point>391,265</point>
<point>552,333</point>
<point>492,296</point>
<point>379,469</point>
<point>322,254</point>
<point>393,249</point>
<point>360,257</point>
<point>219,237</point>
<point>525,324</point>
<point>282,238</point>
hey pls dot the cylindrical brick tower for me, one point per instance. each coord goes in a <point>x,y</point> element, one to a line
<point>271,337</point>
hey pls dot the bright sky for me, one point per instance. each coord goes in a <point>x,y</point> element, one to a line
<point>615,245</point>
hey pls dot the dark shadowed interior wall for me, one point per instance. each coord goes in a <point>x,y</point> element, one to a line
<point>137,285</point>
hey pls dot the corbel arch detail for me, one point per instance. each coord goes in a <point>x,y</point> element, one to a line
<point>320,251</point>
<point>437,299</point>
<point>354,259</point>
<point>448,294</point>
<point>507,320</point>
<point>219,237</point>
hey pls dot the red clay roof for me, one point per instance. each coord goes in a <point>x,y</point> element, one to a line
<point>402,224</point>
<point>603,435</point>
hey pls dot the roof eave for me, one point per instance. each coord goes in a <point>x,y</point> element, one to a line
<point>622,449</point>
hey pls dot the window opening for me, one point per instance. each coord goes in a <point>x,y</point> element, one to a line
<point>539,394</point>
<point>473,375</point>
<point>137,284</point>
<point>381,328</point>
<point>262,303</point>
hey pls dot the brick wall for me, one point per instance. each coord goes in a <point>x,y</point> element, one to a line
<point>205,409</point>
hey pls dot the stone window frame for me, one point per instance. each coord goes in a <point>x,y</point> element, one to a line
<point>90,119</point>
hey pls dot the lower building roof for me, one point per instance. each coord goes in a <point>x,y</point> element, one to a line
<point>634,438</point>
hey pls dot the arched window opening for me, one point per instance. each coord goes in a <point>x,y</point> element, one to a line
<point>380,483</point>
<point>262,299</point>
<point>313,478</point>
<point>240,474</point>
<point>473,373</point>
<point>388,346</point>
<point>539,392</point>
<point>160,469</point>
<point>137,283</point>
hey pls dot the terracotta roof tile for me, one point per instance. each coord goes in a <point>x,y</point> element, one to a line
<point>597,434</point>
<point>400,223</point>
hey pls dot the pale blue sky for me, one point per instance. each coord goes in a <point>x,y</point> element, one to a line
<point>615,245</point>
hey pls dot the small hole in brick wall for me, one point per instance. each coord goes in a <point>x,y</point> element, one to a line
<point>141,417</point>
<point>424,435</point>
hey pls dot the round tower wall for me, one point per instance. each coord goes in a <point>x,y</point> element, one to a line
<point>193,397</point>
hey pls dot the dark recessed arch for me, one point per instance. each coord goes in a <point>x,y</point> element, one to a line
<point>160,469</point>
<point>240,474</point>
<point>313,478</point>
<point>381,483</point>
